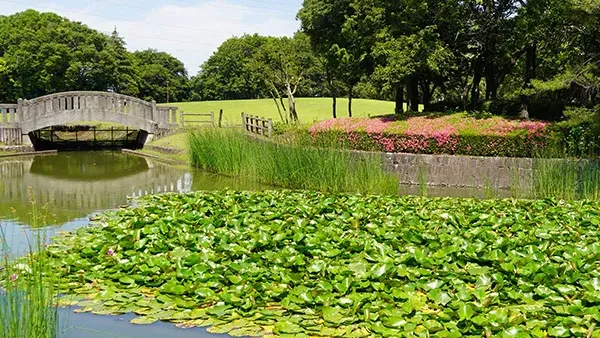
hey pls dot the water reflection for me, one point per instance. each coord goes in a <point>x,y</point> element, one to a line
<point>73,185</point>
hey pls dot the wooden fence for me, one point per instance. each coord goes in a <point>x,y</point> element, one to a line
<point>257,125</point>
<point>206,118</point>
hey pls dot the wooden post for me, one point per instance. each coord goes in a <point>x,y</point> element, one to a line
<point>52,134</point>
<point>111,133</point>
<point>181,119</point>
<point>126,133</point>
<point>212,118</point>
<point>221,118</point>
<point>270,127</point>
<point>76,139</point>
<point>243,122</point>
<point>95,134</point>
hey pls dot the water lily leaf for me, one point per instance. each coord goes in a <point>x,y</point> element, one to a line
<point>282,327</point>
<point>143,320</point>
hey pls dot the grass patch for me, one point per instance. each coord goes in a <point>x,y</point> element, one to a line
<point>291,166</point>
<point>311,264</point>
<point>309,109</point>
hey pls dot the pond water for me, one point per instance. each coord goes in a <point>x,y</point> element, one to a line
<point>68,188</point>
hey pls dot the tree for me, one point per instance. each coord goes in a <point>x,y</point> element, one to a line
<point>160,75</point>
<point>335,35</point>
<point>45,53</point>
<point>227,74</point>
<point>284,64</point>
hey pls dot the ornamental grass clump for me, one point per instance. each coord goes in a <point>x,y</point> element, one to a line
<point>297,264</point>
<point>288,165</point>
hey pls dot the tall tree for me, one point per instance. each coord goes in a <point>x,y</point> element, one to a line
<point>161,74</point>
<point>227,74</point>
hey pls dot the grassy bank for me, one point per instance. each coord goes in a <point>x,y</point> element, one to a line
<point>302,263</point>
<point>309,109</point>
<point>291,166</point>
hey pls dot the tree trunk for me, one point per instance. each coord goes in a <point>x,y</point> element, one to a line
<point>287,121</point>
<point>399,99</point>
<point>530,70</point>
<point>334,108</point>
<point>413,94</point>
<point>475,87</point>
<point>427,94</point>
<point>491,86</point>
<point>277,105</point>
<point>350,95</point>
<point>292,104</point>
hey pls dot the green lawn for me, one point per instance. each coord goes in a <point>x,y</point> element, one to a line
<point>309,109</point>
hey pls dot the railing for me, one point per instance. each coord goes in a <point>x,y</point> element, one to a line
<point>86,101</point>
<point>205,118</point>
<point>257,125</point>
<point>8,114</point>
<point>11,135</point>
<point>167,116</point>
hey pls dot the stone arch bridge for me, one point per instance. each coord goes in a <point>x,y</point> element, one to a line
<point>18,120</point>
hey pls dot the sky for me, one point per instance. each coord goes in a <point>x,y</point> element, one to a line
<point>190,30</point>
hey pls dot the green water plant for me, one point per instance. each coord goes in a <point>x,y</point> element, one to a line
<point>28,298</point>
<point>288,165</point>
<point>297,264</point>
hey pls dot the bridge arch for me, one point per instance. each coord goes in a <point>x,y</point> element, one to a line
<point>68,107</point>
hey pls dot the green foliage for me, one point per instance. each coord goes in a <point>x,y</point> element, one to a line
<point>228,73</point>
<point>579,134</point>
<point>514,145</point>
<point>157,69</point>
<point>42,53</point>
<point>289,166</point>
<point>312,264</point>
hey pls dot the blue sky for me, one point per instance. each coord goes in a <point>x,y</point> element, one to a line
<point>191,30</point>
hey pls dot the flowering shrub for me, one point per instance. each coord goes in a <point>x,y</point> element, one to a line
<point>453,134</point>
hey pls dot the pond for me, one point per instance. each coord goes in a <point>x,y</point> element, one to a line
<point>68,188</point>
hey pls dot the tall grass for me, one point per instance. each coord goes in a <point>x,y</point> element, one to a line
<point>290,166</point>
<point>567,179</point>
<point>27,300</point>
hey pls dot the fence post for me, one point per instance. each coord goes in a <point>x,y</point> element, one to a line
<point>182,118</point>
<point>212,118</point>
<point>221,118</point>
<point>243,122</point>
<point>153,114</point>
<point>270,126</point>
<point>19,110</point>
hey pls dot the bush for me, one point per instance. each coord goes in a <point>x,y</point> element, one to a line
<point>579,134</point>
<point>453,135</point>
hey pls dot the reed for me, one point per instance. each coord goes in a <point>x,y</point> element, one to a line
<point>27,300</point>
<point>288,165</point>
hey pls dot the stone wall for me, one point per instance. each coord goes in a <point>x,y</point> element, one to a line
<point>460,171</point>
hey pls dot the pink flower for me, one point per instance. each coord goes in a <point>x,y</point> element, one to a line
<point>13,277</point>
<point>110,252</point>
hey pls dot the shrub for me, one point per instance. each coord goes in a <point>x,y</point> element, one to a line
<point>455,134</point>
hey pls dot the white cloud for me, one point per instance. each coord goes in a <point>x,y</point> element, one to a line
<point>190,32</point>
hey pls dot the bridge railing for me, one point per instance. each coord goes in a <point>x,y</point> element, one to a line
<point>167,116</point>
<point>91,101</point>
<point>8,114</point>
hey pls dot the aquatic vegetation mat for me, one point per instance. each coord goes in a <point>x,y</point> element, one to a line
<point>298,264</point>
